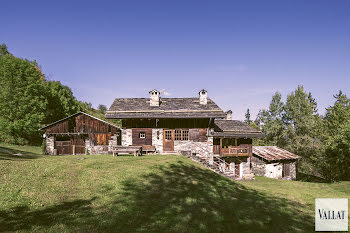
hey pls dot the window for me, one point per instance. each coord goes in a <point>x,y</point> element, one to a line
<point>168,135</point>
<point>181,134</point>
<point>177,134</point>
<point>185,134</point>
<point>142,135</point>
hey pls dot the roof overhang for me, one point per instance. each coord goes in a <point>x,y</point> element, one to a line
<point>73,115</point>
<point>238,134</point>
<point>165,114</point>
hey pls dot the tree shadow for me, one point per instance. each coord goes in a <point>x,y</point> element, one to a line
<point>23,218</point>
<point>173,198</point>
<point>311,178</point>
<point>15,154</point>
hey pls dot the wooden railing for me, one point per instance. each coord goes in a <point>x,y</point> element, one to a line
<point>242,150</point>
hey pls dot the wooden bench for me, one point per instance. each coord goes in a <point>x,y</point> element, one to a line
<point>148,149</point>
<point>136,150</point>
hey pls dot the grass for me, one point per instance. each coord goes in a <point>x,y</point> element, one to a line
<point>155,193</point>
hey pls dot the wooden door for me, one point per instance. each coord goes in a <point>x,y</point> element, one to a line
<point>168,140</point>
<point>286,169</point>
<point>64,147</point>
<point>79,145</point>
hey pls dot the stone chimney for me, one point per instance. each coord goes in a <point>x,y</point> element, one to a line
<point>154,96</point>
<point>203,97</point>
<point>229,115</point>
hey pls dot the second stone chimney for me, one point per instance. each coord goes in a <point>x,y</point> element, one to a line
<point>229,115</point>
<point>154,96</point>
<point>203,97</point>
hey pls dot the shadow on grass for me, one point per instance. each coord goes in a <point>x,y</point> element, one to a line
<point>173,198</point>
<point>14,154</point>
<point>311,178</point>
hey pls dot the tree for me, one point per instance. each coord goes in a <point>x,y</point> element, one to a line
<point>3,50</point>
<point>247,117</point>
<point>22,100</point>
<point>301,112</point>
<point>302,122</point>
<point>102,108</point>
<point>335,162</point>
<point>61,102</point>
<point>271,122</point>
<point>337,116</point>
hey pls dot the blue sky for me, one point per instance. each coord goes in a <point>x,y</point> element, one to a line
<point>240,51</point>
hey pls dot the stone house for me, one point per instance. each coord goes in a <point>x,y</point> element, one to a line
<point>192,126</point>
<point>274,162</point>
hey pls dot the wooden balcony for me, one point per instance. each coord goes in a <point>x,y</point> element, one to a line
<point>242,150</point>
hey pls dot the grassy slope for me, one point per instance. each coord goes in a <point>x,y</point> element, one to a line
<point>146,194</point>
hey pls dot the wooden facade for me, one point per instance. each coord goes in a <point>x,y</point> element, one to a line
<point>168,123</point>
<point>141,136</point>
<point>71,134</point>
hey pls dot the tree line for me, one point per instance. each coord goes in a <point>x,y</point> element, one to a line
<point>29,101</point>
<point>323,141</point>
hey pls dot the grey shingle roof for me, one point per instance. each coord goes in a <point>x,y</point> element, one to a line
<point>234,128</point>
<point>273,153</point>
<point>168,108</point>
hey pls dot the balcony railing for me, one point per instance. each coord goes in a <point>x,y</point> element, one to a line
<point>242,150</point>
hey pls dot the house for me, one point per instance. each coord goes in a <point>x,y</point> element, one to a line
<point>274,162</point>
<point>195,126</point>
<point>80,133</point>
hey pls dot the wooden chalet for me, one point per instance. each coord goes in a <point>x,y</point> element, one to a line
<point>185,126</point>
<point>80,133</point>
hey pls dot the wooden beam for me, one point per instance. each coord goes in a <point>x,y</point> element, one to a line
<point>220,146</point>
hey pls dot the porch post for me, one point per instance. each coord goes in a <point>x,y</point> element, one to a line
<point>220,146</point>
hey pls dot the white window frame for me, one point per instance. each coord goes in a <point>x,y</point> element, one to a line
<point>142,135</point>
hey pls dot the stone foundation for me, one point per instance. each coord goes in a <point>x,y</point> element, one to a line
<point>244,168</point>
<point>50,145</point>
<point>202,149</point>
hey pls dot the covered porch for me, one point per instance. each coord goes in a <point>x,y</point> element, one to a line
<point>228,146</point>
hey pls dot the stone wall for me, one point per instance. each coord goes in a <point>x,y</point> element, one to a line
<point>50,145</point>
<point>245,167</point>
<point>202,149</point>
<point>157,139</point>
<point>126,137</point>
<point>292,171</point>
<point>258,169</point>
<point>92,149</point>
<point>273,170</point>
<point>245,170</point>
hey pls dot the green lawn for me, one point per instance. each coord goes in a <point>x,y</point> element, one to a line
<point>154,193</point>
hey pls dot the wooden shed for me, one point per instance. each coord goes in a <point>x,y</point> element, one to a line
<point>80,133</point>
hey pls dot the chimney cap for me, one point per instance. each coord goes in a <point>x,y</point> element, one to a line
<point>154,91</point>
<point>202,92</point>
<point>229,111</point>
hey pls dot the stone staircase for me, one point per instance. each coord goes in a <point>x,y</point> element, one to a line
<point>215,164</point>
